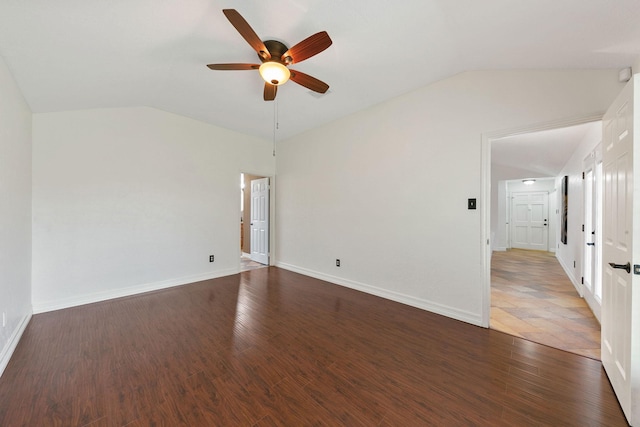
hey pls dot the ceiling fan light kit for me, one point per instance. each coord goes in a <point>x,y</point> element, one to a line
<point>274,72</point>
<point>276,57</point>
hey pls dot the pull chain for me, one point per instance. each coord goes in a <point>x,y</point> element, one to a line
<point>276,125</point>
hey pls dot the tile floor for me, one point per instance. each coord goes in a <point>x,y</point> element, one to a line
<point>532,298</point>
<point>247,264</point>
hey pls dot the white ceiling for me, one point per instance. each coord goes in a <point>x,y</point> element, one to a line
<point>544,153</point>
<point>78,54</point>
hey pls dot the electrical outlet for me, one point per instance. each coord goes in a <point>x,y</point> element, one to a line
<point>211,258</point>
<point>337,263</point>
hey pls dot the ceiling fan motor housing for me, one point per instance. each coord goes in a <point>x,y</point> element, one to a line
<point>274,70</point>
<point>276,49</point>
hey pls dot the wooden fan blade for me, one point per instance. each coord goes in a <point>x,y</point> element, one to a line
<point>247,32</point>
<point>307,48</point>
<point>233,66</point>
<point>270,91</point>
<point>309,82</point>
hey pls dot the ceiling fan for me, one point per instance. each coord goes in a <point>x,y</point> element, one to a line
<point>276,57</point>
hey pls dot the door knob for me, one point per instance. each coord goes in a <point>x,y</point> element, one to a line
<point>626,266</point>
<point>591,244</point>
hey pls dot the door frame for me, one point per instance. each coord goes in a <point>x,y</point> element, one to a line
<point>485,207</point>
<point>272,215</point>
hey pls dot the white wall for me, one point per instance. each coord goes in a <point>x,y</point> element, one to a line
<point>385,190</point>
<point>15,220</point>
<point>573,250</point>
<point>133,199</point>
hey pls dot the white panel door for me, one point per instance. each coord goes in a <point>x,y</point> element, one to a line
<point>260,220</point>
<point>592,249</point>
<point>620,348</point>
<point>529,220</point>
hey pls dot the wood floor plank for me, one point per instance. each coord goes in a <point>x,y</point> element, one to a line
<point>270,347</point>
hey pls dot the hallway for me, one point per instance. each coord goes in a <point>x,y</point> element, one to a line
<point>532,298</point>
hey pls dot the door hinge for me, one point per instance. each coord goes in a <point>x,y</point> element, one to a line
<point>582,280</point>
<point>583,228</point>
<point>582,175</point>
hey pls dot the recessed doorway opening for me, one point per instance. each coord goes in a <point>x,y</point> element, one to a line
<point>254,221</point>
<point>535,279</point>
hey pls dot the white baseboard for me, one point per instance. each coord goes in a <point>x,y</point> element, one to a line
<point>42,307</point>
<point>500,249</point>
<point>569,272</point>
<point>443,310</point>
<point>11,345</point>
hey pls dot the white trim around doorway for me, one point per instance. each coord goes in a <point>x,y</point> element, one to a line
<point>485,208</point>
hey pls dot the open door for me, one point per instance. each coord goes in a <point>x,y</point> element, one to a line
<point>592,235</point>
<point>260,220</point>
<point>621,248</point>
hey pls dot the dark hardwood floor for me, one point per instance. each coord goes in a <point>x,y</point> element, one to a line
<point>273,348</point>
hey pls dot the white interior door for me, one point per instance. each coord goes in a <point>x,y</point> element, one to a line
<point>620,313</point>
<point>530,220</point>
<point>260,220</point>
<point>592,245</point>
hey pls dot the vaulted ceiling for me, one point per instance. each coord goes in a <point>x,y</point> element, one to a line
<point>543,153</point>
<point>79,54</point>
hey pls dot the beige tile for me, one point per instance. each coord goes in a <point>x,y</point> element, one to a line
<point>531,297</point>
<point>569,302</point>
<point>499,326</point>
<point>513,322</point>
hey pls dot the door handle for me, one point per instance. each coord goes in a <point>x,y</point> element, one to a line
<point>591,244</point>
<point>626,266</point>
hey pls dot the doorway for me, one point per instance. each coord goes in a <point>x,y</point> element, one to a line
<point>548,305</point>
<point>254,221</point>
